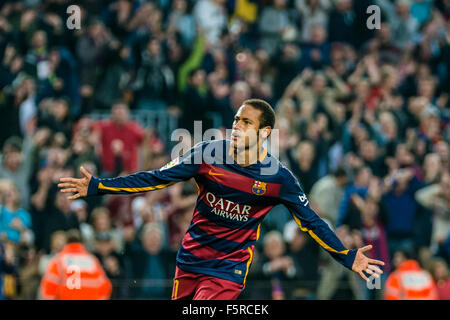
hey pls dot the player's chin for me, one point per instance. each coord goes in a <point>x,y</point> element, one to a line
<point>235,142</point>
<point>238,144</point>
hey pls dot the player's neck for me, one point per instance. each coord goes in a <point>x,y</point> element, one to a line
<point>247,157</point>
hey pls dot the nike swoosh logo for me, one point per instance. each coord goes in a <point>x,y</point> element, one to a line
<point>214,174</point>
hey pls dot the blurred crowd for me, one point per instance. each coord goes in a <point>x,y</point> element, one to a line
<point>363,120</point>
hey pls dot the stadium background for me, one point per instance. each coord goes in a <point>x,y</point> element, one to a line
<point>363,118</point>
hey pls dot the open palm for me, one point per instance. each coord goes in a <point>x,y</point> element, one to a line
<point>77,186</point>
<point>364,264</point>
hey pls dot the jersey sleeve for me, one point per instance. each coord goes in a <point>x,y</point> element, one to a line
<point>180,169</point>
<point>293,197</point>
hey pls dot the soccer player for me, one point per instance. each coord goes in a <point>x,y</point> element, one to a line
<point>235,192</point>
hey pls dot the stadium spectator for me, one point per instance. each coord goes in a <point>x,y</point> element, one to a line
<point>341,21</point>
<point>120,139</point>
<point>90,48</point>
<point>277,266</point>
<point>421,10</point>
<point>195,100</point>
<point>75,274</point>
<point>211,16</point>
<point>239,92</point>
<point>432,169</point>
<point>102,225</point>
<point>404,25</point>
<point>338,283</point>
<point>150,264</point>
<point>179,20</point>
<point>273,22</point>
<point>15,222</point>
<point>121,209</point>
<point>436,197</point>
<point>44,213</point>
<point>441,277</point>
<point>57,242</point>
<point>80,207</point>
<point>9,270</point>
<point>155,80</point>
<point>306,258</point>
<point>58,216</point>
<point>312,12</point>
<point>306,165</point>
<point>29,277</point>
<point>16,165</point>
<point>444,250</point>
<point>56,117</point>
<point>326,194</point>
<point>316,52</point>
<point>401,207</point>
<point>360,186</point>
<point>409,281</point>
<point>112,262</point>
<point>372,232</point>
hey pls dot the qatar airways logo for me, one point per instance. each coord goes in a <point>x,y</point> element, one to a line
<point>228,209</point>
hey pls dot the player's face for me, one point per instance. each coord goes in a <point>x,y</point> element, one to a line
<point>245,127</point>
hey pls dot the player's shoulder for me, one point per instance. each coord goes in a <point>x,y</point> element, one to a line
<point>218,143</point>
<point>273,167</point>
<point>214,144</point>
<point>288,179</point>
<point>211,142</point>
<point>283,171</point>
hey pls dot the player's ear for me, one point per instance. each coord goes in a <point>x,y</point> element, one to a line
<point>265,132</point>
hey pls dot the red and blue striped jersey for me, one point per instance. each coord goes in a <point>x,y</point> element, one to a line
<point>232,202</point>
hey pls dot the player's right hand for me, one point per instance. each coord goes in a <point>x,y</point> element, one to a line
<point>77,186</point>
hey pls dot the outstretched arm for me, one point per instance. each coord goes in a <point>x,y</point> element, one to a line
<point>293,197</point>
<point>179,169</point>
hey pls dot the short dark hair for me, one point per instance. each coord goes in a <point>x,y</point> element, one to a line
<point>193,72</point>
<point>407,253</point>
<point>13,143</point>
<point>119,102</point>
<point>340,172</point>
<point>360,169</point>
<point>267,118</point>
<point>73,235</point>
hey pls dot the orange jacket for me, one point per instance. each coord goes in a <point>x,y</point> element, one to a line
<point>410,282</point>
<point>75,274</point>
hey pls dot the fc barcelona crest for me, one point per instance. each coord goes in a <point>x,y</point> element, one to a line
<point>259,188</point>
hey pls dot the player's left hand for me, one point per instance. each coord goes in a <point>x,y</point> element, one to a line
<point>364,264</point>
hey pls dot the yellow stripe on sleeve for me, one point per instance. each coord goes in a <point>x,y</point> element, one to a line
<point>150,188</point>
<point>315,237</point>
